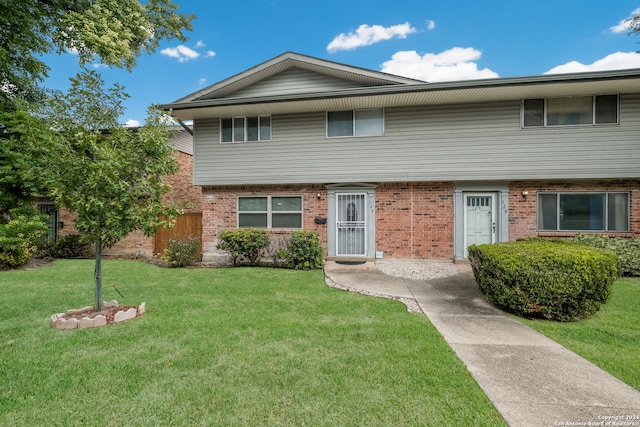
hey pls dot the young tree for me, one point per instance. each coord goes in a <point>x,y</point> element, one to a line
<point>111,176</point>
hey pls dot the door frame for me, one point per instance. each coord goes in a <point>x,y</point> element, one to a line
<point>500,191</point>
<point>493,207</point>
<point>369,201</point>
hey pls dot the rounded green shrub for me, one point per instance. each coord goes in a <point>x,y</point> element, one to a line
<point>304,251</point>
<point>554,280</point>
<point>182,252</point>
<point>14,251</point>
<point>245,245</point>
<point>20,235</point>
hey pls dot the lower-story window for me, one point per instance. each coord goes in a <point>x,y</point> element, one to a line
<point>608,211</point>
<point>270,211</point>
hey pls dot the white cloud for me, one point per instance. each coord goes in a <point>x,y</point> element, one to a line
<point>181,52</point>
<point>184,53</point>
<point>99,65</point>
<point>367,35</point>
<point>615,61</point>
<point>201,81</point>
<point>453,64</point>
<point>431,24</point>
<point>131,123</point>
<point>625,24</point>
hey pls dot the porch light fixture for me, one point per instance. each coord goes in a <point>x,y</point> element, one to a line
<point>319,196</point>
<point>525,193</point>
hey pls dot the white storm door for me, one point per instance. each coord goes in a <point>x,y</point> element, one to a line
<point>351,224</point>
<point>480,222</point>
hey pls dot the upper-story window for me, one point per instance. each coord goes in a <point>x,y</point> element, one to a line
<point>355,123</point>
<point>245,129</point>
<point>577,110</point>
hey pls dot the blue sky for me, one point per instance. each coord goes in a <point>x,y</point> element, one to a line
<point>424,39</point>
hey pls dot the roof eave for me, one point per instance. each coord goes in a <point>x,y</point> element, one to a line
<point>469,91</point>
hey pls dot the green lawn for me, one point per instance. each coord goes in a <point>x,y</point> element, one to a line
<point>611,338</point>
<point>245,346</point>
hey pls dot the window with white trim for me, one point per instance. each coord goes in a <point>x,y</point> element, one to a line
<point>245,129</point>
<point>270,211</point>
<point>607,211</point>
<point>355,123</point>
<point>570,111</point>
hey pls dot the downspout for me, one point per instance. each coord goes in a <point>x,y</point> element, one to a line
<point>187,128</point>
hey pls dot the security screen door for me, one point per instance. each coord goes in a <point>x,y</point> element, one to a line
<point>351,224</point>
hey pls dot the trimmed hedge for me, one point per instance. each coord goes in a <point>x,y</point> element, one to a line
<point>70,246</point>
<point>554,280</point>
<point>628,250</point>
<point>246,245</point>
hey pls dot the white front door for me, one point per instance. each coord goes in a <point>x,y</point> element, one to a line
<point>351,224</point>
<point>480,220</point>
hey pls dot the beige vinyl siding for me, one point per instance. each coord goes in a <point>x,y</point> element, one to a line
<point>292,81</point>
<point>182,141</point>
<point>437,143</point>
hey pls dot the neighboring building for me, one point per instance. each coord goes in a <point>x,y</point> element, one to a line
<point>382,165</point>
<point>136,244</point>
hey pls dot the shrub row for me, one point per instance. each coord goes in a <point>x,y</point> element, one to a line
<point>557,280</point>
<point>249,246</point>
<point>628,250</point>
<point>70,247</point>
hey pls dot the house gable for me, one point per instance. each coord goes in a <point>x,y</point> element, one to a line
<point>292,73</point>
<point>294,81</point>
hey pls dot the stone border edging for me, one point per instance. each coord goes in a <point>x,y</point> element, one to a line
<point>58,321</point>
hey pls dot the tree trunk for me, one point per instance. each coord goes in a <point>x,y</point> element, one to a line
<point>99,301</point>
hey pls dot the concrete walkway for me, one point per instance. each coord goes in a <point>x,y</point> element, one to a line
<point>531,380</point>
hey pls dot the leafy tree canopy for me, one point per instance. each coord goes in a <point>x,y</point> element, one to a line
<point>115,32</point>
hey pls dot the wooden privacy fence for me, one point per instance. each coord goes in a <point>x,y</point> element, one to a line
<point>189,224</point>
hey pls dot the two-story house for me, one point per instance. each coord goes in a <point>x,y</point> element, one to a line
<point>385,166</point>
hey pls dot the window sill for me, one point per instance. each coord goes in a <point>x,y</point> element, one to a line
<point>626,234</point>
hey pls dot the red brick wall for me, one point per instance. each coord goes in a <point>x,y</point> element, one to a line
<point>182,188</point>
<point>68,220</point>
<point>415,220</point>
<point>221,204</point>
<point>522,213</point>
